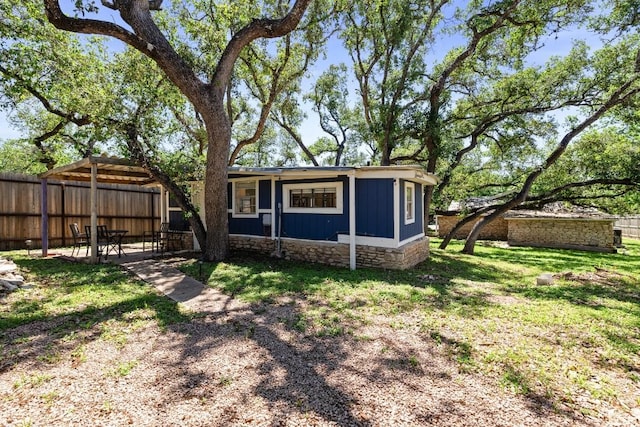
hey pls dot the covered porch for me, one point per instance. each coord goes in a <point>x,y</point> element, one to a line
<point>103,170</point>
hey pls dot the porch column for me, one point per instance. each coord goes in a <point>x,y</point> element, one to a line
<point>44,215</point>
<point>163,205</point>
<point>94,212</point>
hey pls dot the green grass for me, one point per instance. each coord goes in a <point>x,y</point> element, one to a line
<point>82,294</point>
<point>577,337</point>
<point>580,335</point>
<point>75,303</point>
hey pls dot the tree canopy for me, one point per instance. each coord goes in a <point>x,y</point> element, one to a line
<point>468,90</point>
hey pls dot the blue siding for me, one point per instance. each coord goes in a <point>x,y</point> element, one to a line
<point>314,226</point>
<point>374,207</point>
<point>374,212</point>
<point>409,230</point>
<point>251,226</point>
<point>248,226</point>
<point>264,194</point>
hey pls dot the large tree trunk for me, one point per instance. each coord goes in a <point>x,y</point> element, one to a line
<point>470,243</point>
<point>216,202</point>
<point>431,168</point>
<point>447,239</point>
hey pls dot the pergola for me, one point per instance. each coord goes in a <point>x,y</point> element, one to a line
<point>94,170</point>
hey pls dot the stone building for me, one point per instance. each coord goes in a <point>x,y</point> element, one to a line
<point>552,228</point>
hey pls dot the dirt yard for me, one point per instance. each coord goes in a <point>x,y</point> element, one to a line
<point>245,366</point>
<point>239,364</point>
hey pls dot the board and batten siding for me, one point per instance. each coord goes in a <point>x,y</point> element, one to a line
<point>264,194</point>
<point>374,207</point>
<point>251,226</point>
<point>127,207</point>
<point>409,230</point>
<point>314,226</point>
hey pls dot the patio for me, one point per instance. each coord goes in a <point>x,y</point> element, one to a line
<point>99,170</point>
<point>133,251</point>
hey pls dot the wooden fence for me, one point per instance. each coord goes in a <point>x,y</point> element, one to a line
<point>126,207</point>
<point>630,226</point>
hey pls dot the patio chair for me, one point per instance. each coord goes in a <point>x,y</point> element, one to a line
<point>167,238</point>
<point>79,239</point>
<point>108,240</point>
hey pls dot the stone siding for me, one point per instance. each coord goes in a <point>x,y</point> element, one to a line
<point>337,254</point>
<point>568,233</point>
<point>496,230</point>
<point>250,243</point>
<point>330,253</point>
<point>400,258</point>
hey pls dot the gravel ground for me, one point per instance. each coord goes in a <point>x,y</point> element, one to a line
<point>241,365</point>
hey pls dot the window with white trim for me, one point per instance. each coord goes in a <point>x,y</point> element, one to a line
<point>323,197</point>
<point>245,197</point>
<point>409,203</point>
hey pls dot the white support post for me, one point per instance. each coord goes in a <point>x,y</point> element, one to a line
<point>163,205</point>
<point>94,212</point>
<point>352,220</point>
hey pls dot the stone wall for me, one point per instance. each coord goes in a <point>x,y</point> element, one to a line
<point>330,253</point>
<point>496,230</point>
<point>250,243</point>
<point>337,254</point>
<point>400,258</point>
<point>567,233</point>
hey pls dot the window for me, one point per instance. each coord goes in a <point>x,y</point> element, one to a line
<point>313,198</point>
<point>409,203</point>
<point>245,197</point>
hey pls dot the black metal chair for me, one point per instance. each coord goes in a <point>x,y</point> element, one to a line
<point>79,239</point>
<point>167,238</point>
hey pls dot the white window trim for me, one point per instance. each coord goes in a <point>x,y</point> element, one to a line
<point>338,210</point>
<point>411,220</point>
<point>235,214</point>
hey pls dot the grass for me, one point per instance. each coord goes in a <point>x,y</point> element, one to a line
<point>77,302</point>
<point>84,295</point>
<point>578,336</point>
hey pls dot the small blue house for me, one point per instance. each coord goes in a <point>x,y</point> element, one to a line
<point>346,216</point>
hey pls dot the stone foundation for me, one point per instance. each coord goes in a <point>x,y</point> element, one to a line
<point>565,233</point>
<point>337,254</point>
<point>496,230</point>
<point>400,258</point>
<point>330,253</point>
<point>251,243</point>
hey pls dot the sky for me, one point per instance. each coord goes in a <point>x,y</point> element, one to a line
<point>310,129</point>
